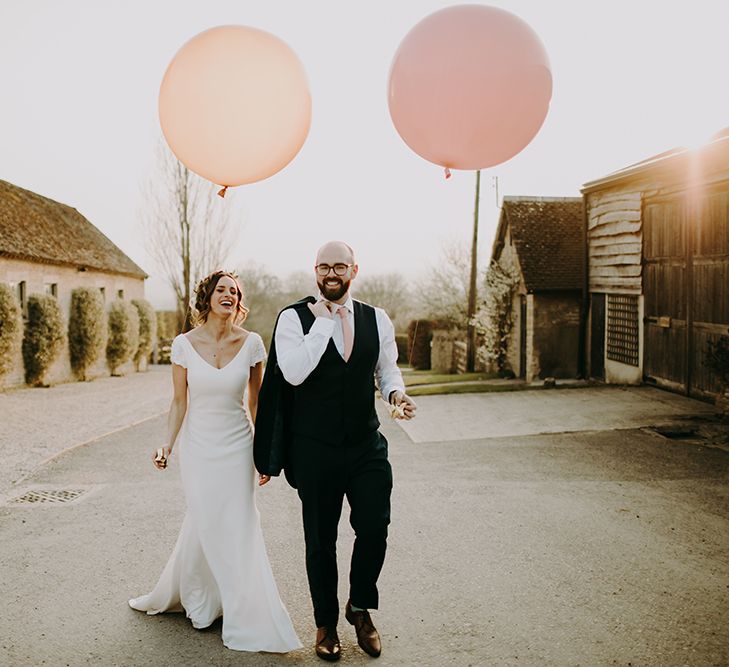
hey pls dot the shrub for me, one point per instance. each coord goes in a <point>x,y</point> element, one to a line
<point>11,328</point>
<point>494,319</point>
<point>147,329</point>
<point>420,333</point>
<point>167,324</point>
<point>420,336</point>
<point>43,337</point>
<point>123,334</point>
<point>164,350</point>
<point>86,329</point>
<point>401,340</point>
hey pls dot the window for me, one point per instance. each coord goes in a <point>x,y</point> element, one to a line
<point>52,289</point>
<point>120,293</point>
<point>622,328</point>
<point>22,297</point>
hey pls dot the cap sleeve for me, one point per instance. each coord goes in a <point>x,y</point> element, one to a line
<point>258,351</point>
<point>178,354</point>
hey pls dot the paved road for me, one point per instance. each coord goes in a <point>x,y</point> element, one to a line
<point>39,423</point>
<point>531,412</point>
<point>584,548</point>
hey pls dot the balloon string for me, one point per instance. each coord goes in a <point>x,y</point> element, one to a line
<point>412,347</point>
<point>221,193</point>
<point>447,173</point>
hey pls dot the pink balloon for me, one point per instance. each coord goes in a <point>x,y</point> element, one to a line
<point>234,105</point>
<point>469,87</point>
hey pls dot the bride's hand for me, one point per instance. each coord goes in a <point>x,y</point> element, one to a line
<point>263,479</point>
<point>160,457</point>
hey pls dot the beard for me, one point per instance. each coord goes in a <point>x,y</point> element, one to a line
<point>333,292</point>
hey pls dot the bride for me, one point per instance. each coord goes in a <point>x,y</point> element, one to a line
<point>219,564</point>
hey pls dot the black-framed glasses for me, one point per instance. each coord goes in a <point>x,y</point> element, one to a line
<point>339,269</point>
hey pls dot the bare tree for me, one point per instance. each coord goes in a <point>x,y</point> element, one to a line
<point>266,294</point>
<point>189,230</point>
<point>299,284</point>
<point>258,284</point>
<point>262,294</point>
<point>442,293</point>
<point>388,291</point>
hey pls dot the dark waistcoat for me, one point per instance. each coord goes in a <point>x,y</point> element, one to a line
<point>335,404</point>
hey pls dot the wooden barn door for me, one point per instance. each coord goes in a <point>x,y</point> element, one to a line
<point>709,296</point>
<point>665,267</point>
<point>686,287</point>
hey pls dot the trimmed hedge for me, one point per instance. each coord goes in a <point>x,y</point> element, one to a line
<point>86,329</point>
<point>147,330</point>
<point>401,340</point>
<point>123,338</point>
<point>11,328</point>
<point>44,337</point>
<point>167,324</point>
<point>420,333</point>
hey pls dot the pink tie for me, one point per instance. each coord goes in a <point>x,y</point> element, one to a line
<point>347,332</point>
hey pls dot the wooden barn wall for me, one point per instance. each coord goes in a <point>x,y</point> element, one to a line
<point>653,236</point>
<point>614,238</point>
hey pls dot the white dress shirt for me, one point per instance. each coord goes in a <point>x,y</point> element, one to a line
<point>298,354</point>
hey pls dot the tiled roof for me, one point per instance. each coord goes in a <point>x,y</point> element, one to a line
<point>39,229</point>
<point>547,233</point>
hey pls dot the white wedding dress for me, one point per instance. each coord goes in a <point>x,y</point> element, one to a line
<point>219,564</point>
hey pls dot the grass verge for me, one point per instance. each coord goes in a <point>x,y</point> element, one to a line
<point>417,378</point>
<point>462,388</point>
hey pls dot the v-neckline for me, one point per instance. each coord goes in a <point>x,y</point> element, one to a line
<point>207,363</point>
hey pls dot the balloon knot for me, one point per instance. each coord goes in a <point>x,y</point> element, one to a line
<point>221,193</point>
<point>447,173</point>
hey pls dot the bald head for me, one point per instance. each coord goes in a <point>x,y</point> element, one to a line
<point>336,259</point>
<point>335,252</point>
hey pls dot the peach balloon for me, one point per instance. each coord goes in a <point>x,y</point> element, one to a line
<point>234,105</point>
<point>469,87</point>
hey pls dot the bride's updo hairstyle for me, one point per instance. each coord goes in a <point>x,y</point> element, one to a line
<point>204,292</point>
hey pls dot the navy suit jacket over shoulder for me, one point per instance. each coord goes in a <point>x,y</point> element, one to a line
<point>272,436</point>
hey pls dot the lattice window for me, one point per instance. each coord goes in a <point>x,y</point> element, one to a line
<point>622,328</point>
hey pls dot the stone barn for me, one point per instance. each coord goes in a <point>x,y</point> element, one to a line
<point>49,247</point>
<point>540,243</point>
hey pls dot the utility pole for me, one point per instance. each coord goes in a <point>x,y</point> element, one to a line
<point>471,344</point>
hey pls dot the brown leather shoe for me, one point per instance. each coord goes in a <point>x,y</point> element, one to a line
<point>327,643</point>
<point>367,636</point>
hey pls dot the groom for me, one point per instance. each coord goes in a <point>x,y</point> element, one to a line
<point>317,420</point>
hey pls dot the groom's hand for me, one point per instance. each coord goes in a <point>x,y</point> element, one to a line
<point>321,309</point>
<point>263,479</point>
<point>403,401</point>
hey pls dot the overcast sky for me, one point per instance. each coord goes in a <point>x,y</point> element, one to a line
<point>79,124</point>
